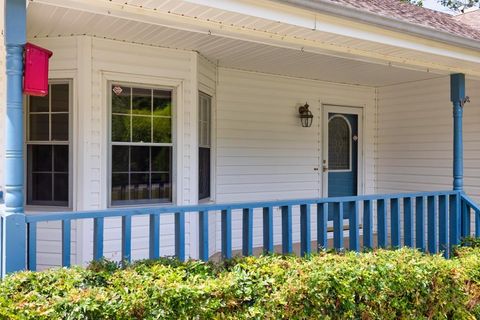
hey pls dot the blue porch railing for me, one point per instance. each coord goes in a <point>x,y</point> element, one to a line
<point>429,221</point>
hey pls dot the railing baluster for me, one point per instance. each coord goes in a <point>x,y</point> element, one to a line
<point>32,246</point>
<point>455,215</point>
<point>382,223</point>
<point>408,221</point>
<point>305,237</point>
<point>287,246</point>
<point>154,248</point>
<point>203,235</point>
<point>322,224</point>
<point>419,223</point>
<point>367,224</point>
<point>395,222</point>
<point>126,238</point>
<point>268,230</point>
<point>227,233</point>
<point>98,238</point>
<point>466,220</point>
<point>338,225</point>
<point>180,235</point>
<point>432,224</point>
<point>354,232</point>
<point>442,224</point>
<point>247,238</point>
<point>477,224</point>
<point>66,239</point>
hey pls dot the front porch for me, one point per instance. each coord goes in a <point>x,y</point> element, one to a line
<point>239,172</point>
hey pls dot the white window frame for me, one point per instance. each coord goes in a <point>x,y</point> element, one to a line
<point>147,85</point>
<point>69,80</point>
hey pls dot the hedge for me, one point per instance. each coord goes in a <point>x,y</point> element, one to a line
<point>383,284</point>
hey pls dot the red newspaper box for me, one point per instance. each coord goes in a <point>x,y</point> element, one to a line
<point>35,80</point>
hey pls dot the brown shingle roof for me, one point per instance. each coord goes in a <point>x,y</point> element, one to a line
<point>411,14</point>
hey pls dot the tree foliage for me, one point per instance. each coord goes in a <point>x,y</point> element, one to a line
<point>455,5</point>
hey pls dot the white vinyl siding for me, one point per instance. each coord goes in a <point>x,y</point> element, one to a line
<point>415,128</point>
<point>263,152</point>
<point>49,234</point>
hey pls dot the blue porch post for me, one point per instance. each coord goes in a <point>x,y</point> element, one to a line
<point>13,226</point>
<point>457,96</point>
<point>457,87</point>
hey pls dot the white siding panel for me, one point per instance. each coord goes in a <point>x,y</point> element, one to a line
<point>144,61</point>
<point>263,153</point>
<point>207,83</point>
<point>3,102</point>
<point>49,253</point>
<point>415,128</point>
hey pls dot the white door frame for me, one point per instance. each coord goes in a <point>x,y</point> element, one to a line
<point>331,108</point>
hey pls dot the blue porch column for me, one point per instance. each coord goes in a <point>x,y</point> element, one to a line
<point>13,227</point>
<point>457,87</point>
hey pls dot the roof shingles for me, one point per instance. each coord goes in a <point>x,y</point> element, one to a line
<point>409,13</point>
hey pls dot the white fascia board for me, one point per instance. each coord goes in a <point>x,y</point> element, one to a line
<point>194,24</point>
<point>324,23</point>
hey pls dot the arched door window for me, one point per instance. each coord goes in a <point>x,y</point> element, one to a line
<point>339,144</point>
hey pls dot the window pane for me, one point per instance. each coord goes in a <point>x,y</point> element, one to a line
<point>120,101</point>
<point>60,161</point>
<point>39,127</point>
<point>60,187</point>
<point>142,101</point>
<point>161,186</point>
<point>120,186</point>
<point>204,173</point>
<point>41,187</point>
<point>162,130</point>
<point>60,127</point>
<point>38,104</point>
<point>142,129</point>
<point>60,97</point>
<point>40,157</point>
<point>140,159</point>
<point>162,103</point>
<point>120,128</point>
<point>161,157</point>
<point>140,186</point>
<point>338,144</point>
<point>120,158</point>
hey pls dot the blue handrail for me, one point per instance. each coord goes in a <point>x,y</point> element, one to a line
<point>428,221</point>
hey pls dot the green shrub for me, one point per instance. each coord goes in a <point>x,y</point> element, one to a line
<point>402,284</point>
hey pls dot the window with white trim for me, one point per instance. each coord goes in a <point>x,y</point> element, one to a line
<point>141,144</point>
<point>204,145</point>
<point>48,147</point>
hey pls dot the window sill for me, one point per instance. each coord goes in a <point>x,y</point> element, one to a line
<point>32,210</point>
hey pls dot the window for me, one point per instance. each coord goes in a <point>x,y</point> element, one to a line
<point>339,146</point>
<point>204,143</point>
<point>48,137</point>
<point>141,145</point>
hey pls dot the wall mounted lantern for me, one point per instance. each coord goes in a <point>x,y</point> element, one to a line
<point>306,116</point>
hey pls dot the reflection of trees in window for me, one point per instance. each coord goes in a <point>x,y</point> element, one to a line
<point>141,173</point>
<point>338,144</point>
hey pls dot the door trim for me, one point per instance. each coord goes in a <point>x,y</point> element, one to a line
<point>332,108</point>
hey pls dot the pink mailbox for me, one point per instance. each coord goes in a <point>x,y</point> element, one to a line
<point>35,80</point>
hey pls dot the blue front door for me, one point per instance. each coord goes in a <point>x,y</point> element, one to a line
<point>342,154</point>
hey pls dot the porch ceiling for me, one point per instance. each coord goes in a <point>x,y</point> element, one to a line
<point>45,20</point>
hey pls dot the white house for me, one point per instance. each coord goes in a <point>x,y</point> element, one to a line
<point>157,103</point>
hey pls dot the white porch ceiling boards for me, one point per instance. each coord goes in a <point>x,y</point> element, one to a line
<point>51,21</point>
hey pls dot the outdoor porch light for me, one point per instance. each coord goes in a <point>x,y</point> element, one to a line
<point>306,116</point>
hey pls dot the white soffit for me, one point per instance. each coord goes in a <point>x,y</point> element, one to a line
<point>50,21</point>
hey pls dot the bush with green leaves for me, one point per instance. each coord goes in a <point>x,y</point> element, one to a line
<point>383,284</point>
